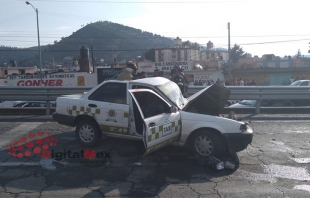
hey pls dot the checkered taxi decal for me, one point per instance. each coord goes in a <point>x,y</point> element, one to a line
<point>75,111</point>
<point>95,113</point>
<point>157,131</point>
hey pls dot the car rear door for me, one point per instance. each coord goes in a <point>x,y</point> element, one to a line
<point>108,105</point>
<point>160,129</point>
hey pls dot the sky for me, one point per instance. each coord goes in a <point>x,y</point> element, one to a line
<point>260,27</point>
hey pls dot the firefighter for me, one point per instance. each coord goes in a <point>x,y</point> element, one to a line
<point>129,73</point>
<point>178,79</point>
<point>186,83</point>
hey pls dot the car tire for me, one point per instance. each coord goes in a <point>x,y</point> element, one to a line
<point>206,143</point>
<point>88,133</point>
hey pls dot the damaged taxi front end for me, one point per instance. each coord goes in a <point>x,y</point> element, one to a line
<point>201,115</point>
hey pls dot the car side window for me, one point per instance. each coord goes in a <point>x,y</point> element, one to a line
<point>20,105</point>
<point>42,105</point>
<point>111,92</point>
<point>151,105</point>
<point>304,83</point>
<point>34,104</point>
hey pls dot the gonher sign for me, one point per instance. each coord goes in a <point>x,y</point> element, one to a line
<point>164,66</point>
<point>51,80</point>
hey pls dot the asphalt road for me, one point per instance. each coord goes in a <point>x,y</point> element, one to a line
<point>276,164</point>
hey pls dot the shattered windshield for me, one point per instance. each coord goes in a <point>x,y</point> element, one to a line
<point>173,92</point>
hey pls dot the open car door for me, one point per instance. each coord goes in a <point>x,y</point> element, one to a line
<point>161,121</point>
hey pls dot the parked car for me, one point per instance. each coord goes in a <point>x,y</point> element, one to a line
<point>271,103</point>
<point>301,83</point>
<point>33,104</point>
<point>9,103</point>
<point>154,111</point>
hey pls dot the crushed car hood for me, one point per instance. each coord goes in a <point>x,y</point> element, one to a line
<point>209,101</point>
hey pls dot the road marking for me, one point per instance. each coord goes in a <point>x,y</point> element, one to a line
<point>15,133</point>
<point>302,187</point>
<point>302,160</point>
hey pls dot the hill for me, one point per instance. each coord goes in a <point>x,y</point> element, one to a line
<point>109,40</point>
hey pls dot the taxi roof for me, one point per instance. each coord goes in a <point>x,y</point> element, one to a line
<point>155,81</point>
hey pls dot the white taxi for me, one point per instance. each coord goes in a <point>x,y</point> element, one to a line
<point>154,111</point>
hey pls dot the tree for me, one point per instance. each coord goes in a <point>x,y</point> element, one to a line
<point>190,45</point>
<point>236,52</point>
<point>298,55</point>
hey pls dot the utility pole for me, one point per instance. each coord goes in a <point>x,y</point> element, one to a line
<point>92,56</point>
<point>229,72</point>
<point>54,64</point>
<point>40,60</point>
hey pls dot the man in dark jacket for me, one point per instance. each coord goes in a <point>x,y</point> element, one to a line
<point>178,79</point>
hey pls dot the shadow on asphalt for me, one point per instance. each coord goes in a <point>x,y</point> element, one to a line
<point>170,165</point>
<point>27,118</point>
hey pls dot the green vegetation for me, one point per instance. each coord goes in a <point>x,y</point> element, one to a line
<point>236,52</point>
<point>109,40</point>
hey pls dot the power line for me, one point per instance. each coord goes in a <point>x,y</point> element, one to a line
<point>142,2</point>
<point>273,42</point>
<point>68,16</point>
<point>51,50</point>
<point>147,49</point>
<point>135,37</point>
<point>15,18</point>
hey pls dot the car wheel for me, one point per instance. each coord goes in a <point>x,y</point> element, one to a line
<point>88,133</point>
<point>204,144</point>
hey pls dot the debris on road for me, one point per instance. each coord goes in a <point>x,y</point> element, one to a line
<point>47,164</point>
<point>229,165</point>
<point>138,163</point>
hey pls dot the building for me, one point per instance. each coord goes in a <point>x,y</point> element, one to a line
<point>5,71</point>
<point>301,62</point>
<point>245,63</point>
<point>209,58</point>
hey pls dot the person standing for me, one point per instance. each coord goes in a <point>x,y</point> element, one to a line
<point>177,78</point>
<point>129,72</point>
<point>186,82</point>
<point>241,82</point>
<point>156,73</point>
<point>162,74</point>
<point>142,75</point>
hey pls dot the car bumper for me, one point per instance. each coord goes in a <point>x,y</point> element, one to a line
<point>64,119</point>
<point>238,141</point>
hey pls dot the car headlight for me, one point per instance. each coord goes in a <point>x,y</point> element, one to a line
<point>243,127</point>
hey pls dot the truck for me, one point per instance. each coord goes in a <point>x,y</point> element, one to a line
<point>154,111</point>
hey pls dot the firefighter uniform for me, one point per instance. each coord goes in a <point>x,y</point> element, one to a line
<point>179,80</point>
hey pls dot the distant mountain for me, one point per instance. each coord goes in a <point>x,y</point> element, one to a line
<point>109,40</point>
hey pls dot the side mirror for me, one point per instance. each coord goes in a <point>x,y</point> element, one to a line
<point>173,109</point>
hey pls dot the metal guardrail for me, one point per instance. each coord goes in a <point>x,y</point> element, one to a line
<point>237,93</point>
<point>38,93</point>
<point>259,93</point>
